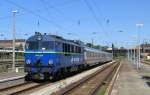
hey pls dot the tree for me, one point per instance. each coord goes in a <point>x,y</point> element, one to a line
<point>89,45</point>
<point>122,48</point>
<point>20,47</point>
<point>104,47</point>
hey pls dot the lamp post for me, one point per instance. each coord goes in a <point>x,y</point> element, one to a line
<point>3,49</point>
<point>135,55</point>
<point>14,37</point>
<point>128,55</point>
<point>134,48</point>
<point>131,54</point>
<point>139,26</point>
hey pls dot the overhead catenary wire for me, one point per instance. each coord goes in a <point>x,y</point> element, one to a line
<point>35,14</point>
<point>101,14</point>
<point>47,7</point>
<point>99,9</point>
<point>107,21</point>
<point>67,2</point>
<point>95,17</point>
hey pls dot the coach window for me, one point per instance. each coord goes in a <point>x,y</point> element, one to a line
<point>65,47</point>
<point>79,49</point>
<point>76,49</point>
<point>72,48</point>
<point>68,49</point>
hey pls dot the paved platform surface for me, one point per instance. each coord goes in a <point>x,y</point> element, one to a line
<point>8,75</point>
<point>9,79</point>
<point>131,81</point>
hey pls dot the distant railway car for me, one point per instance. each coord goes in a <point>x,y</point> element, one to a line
<point>48,56</point>
<point>93,56</point>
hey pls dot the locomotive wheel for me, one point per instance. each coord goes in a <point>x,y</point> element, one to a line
<point>56,76</point>
<point>46,76</point>
<point>27,78</point>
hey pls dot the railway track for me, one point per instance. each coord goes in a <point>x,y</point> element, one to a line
<point>20,88</point>
<point>12,81</point>
<point>89,85</point>
<point>146,62</point>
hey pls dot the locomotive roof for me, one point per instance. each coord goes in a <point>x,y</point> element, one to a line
<point>46,37</point>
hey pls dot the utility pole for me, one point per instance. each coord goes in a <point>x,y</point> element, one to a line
<point>113,51</point>
<point>92,41</point>
<point>134,56</point>
<point>128,55</point>
<point>131,54</point>
<point>14,37</point>
<point>93,33</point>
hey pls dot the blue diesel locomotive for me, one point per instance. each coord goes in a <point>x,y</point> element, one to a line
<point>49,56</point>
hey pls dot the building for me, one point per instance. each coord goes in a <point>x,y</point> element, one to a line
<point>8,44</point>
<point>145,48</point>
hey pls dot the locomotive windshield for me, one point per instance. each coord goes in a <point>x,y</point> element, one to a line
<point>39,45</point>
<point>32,45</point>
<point>47,45</point>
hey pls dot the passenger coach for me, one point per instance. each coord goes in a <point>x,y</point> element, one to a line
<point>93,56</point>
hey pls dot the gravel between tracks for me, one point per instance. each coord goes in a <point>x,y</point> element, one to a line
<point>88,86</point>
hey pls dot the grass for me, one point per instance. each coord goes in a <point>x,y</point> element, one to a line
<point>103,88</point>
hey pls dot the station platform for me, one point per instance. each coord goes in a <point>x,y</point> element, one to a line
<point>11,75</point>
<point>131,81</point>
<point>8,79</point>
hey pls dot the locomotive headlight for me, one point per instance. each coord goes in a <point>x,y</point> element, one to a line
<point>28,61</point>
<point>50,62</point>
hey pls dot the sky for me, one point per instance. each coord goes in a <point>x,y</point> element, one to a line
<point>104,21</point>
